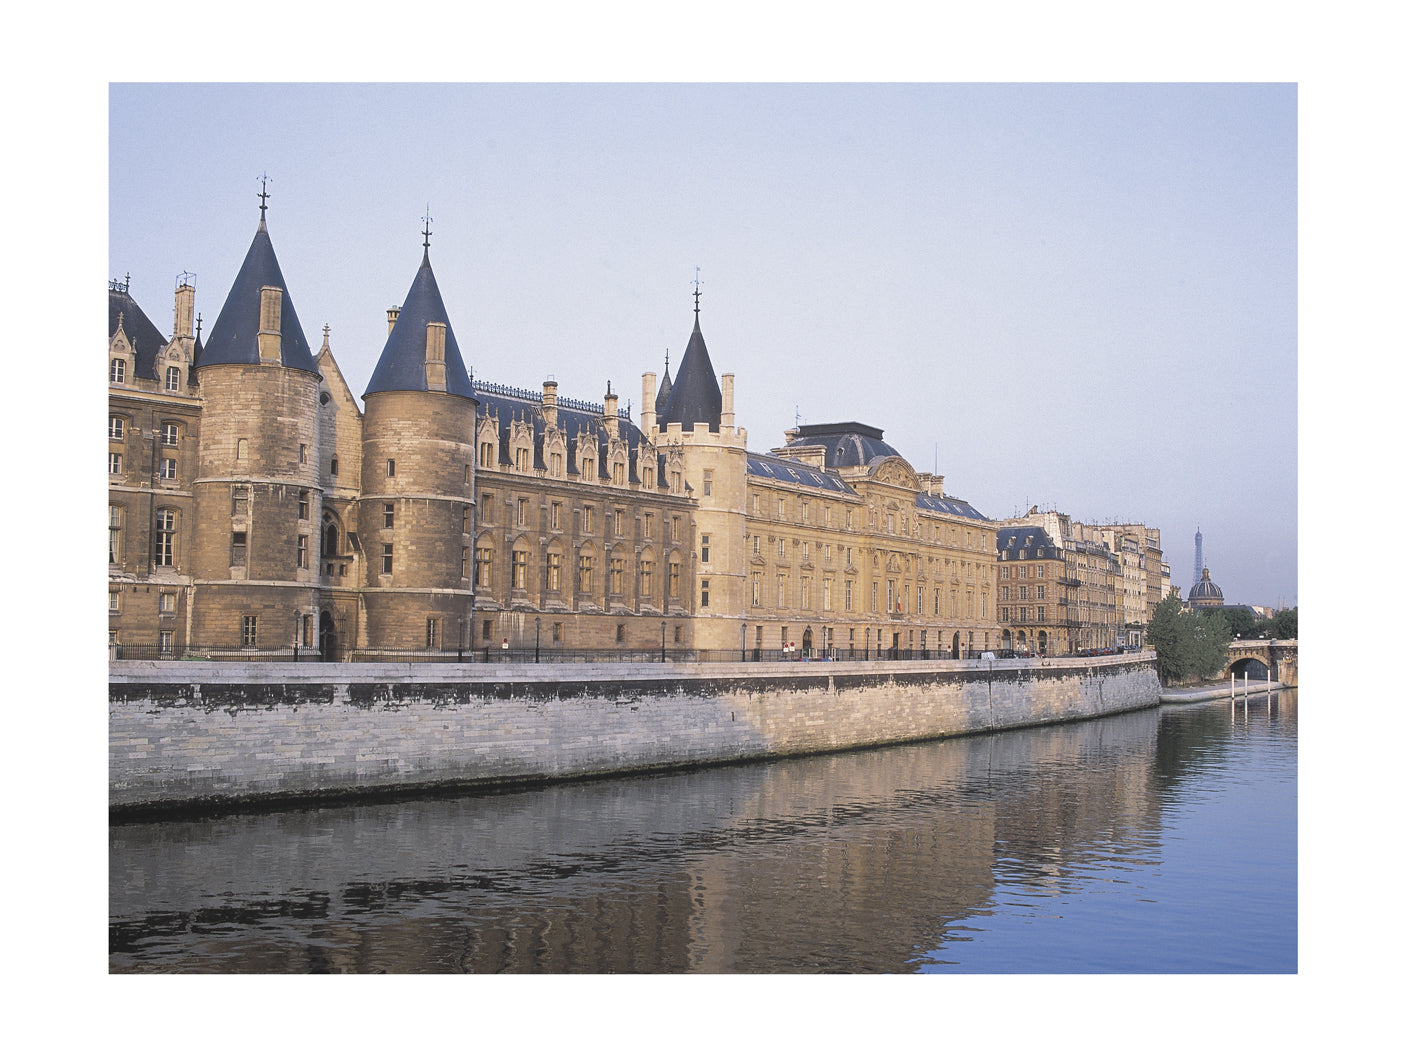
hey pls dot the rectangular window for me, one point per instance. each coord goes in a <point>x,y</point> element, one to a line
<point>238,548</point>
<point>304,453</point>
<point>302,551</point>
<point>303,506</point>
<point>555,515</point>
<point>388,566</point>
<point>248,631</point>
<point>646,577</point>
<point>619,522</point>
<point>334,466</point>
<point>115,464</point>
<point>804,512</point>
<point>586,567</point>
<point>757,500</point>
<point>465,559</point>
<point>164,546</point>
<point>467,474</point>
<point>703,594</point>
<point>484,566</point>
<point>115,427</point>
<point>757,546</point>
<point>164,643</point>
<point>674,528</point>
<point>174,378</point>
<point>828,558</point>
<point>115,535</point>
<point>782,548</point>
<point>617,575</point>
<point>167,469</point>
<point>757,588</point>
<point>430,633</point>
<point>388,514</point>
<point>850,587</point>
<point>467,520</point>
<point>240,496</point>
<point>806,553</point>
<point>556,631</point>
<point>619,632</point>
<point>115,599</point>
<point>389,469</point>
<point>521,513</point>
<point>704,549</point>
<point>553,572</point>
<point>519,570</point>
<point>708,482</point>
<point>674,579</point>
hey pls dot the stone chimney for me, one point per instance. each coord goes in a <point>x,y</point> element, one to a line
<point>548,401</point>
<point>393,316</point>
<point>725,419</point>
<point>182,311</point>
<point>611,420</point>
<point>647,390</point>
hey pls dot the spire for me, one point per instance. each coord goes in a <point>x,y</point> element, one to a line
<point>427,231</point>
<point>661,400</point>
<point>263,196</point>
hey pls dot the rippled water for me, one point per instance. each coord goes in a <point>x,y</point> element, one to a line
<point>1157,841</point>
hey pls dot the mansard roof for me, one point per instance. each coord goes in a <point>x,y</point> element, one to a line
<point>954,507</point>
<point>145,338</point>
<point>847,443</point>
<point>400,365</point>
<point>695,397</point>
<point>233,339</point>
<point>1017,542</point>
<point>573,417</point>
<point>796,473</point>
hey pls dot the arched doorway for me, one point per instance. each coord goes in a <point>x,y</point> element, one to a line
<point>955,650</point>
<point>329,644</point>
<point>1042,643</point>
<point>806,642</point>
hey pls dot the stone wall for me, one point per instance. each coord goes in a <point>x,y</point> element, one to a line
<point>204,732</point>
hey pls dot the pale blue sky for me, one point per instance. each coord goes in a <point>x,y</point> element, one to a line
<point>1079,296</point>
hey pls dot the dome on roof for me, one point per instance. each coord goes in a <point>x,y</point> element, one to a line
<point>847,443</point>
<point>1206,592</point>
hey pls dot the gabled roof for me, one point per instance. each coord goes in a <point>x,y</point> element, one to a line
<point>143,336</point>
<point>233,339</point>
<point>695,397</point>
<point>400,365</point>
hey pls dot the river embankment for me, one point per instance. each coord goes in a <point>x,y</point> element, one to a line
<point>216,734</point>
<point>1218,690</point>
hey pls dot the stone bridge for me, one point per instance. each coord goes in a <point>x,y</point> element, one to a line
<point>1255,656</point>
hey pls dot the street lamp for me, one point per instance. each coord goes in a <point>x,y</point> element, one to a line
<point>295,645</point>
<point>538,640</point>
<point>743,654</point>
<point>661,641</point>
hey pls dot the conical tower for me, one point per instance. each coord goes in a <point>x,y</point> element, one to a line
<point>697,421</point>
<point>415,507</point>
<point>254,555</point>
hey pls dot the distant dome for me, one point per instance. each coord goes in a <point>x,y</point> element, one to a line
<point>1206,592</point>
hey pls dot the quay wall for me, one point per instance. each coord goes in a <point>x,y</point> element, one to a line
<point>210,733</point>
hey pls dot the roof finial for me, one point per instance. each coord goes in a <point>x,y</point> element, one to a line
<point>696,291</point>
<point>327,333</point>
<point>263,196</point>
<point>199,327</point>
<point>666,361</point>
<point>427,227</point>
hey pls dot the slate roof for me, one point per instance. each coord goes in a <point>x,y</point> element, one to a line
<point>143,336</point>
<point>400,365</point>
<point>848,443</point>
<point>232,340</point>
<point>695,397</point>
<point>1017,542</point>
<point>796,473</point>
<point>572,417</point>
<point>950,506</point>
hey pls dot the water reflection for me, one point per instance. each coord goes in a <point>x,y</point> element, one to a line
<point>873,861</point>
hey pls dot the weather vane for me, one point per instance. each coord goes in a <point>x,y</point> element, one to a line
<point>696,289</point>
<point>427,225</point>
<point>264,195</point>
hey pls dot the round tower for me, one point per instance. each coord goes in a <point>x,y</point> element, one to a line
<point>253,552</point>
<point>416,520</point>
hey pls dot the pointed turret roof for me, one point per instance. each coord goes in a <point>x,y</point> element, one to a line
<point>144,338</point>
<point>233,339</point>
<point>400,365</point>
<point>695,397</point>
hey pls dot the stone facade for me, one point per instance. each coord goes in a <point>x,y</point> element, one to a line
<point>256,508</point>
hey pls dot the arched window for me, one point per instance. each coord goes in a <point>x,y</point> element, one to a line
<point>329,536</point>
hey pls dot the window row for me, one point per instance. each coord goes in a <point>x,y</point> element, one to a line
<point>552,574</point>
<point>118,374</point>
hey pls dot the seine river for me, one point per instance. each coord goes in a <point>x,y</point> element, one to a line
<point>1162,841</point>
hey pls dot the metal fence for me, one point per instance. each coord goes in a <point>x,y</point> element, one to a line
<point>141,651</point>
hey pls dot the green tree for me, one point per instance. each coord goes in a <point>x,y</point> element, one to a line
<point>1189,645</point>
<point>1165,635</point>
<point>1243,623</point>
<point>1286,623</point>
